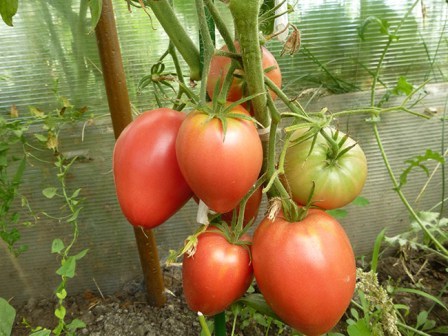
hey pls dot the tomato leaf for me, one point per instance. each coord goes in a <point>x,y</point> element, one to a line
<point>8,8</point>
<point>417,162</point>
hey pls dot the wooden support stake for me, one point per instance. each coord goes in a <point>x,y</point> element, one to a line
<point>120,110</point>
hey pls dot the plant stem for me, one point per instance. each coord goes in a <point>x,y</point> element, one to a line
<point>208,47</point>
<point>385,50</point>
<point>221,25</point>
<point>245,15</point>
<point>220,324</point>
<point>400,193</point>
<point>177,34</point>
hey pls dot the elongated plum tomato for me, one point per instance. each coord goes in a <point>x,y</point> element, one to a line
<point>338,180</point>
<point>305,270</point>
<point>149,185</point>
<point>217,274</point>
<point>220,66</point>
<point>220,167</point>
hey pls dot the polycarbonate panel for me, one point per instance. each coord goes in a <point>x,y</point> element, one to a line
<point>50,43</point>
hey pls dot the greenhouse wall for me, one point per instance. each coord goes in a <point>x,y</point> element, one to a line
<point>50,58</point>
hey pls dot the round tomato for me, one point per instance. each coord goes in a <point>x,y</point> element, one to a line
<point>220,66</point>
<point>305,270</point>
<point>338,179</point>
<point>217,274</point>
<point>149,184</point>
<point>219,166</point>
<point>251,210</point>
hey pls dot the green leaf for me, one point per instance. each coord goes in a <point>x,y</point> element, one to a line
<point>41,137</point>
<point>7,316</point>
<point>60,312</point>
<point>8,8</point>
<point>337,213</point>
<point>376,250</point>
<point>418,162</point>
<point>49,192</point>
<point>75,324</point>
<point>95,12</point>
<point>68,268</point>
<point>81,254</point>
<point>57,245</point>
<point>62,294</point>
<point>360,328</point>
<point>403,86</point>
<point>43,332</point>
<point>257,302</point>
<point>360,201</point>
<point>267,17</point>
<point>421,293</point>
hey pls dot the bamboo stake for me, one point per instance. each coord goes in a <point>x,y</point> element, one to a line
<point>120,110</point>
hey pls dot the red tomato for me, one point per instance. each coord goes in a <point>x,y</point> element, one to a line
<point>220,66</point>
<point>338,181</point>
<point>305,270</point>
<point>149,185</point>
<point>251,210</point>
<point>217,274</point>
<point>220,168</point>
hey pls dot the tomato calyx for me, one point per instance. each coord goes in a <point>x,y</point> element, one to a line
<point>336,148</point>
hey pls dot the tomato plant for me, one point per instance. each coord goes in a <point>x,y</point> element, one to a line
<point>149,185</point>
<point>335,163</point>
<point>305,270</point>
<point>217,274</point>
<point>220,66</point>
<point>218,167</point>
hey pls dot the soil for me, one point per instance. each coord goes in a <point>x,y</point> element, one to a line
<point>127,313</point>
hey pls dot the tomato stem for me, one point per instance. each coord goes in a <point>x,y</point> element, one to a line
<point>208,48</point>
<point>245,15</point>
<point>221,25</point>
<point>401,195</point>
<point>177,34</point>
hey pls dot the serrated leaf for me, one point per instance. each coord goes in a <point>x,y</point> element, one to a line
<point>68,268</point>
<point>95,12</point>
<point>57,245</point>
<point>8,8</point>
<point>49,192</point>
<point>417,162</point>
<point>7,316</point>
<point>403,86</point>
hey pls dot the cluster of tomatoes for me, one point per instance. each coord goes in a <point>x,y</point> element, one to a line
<point>305,269</point>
